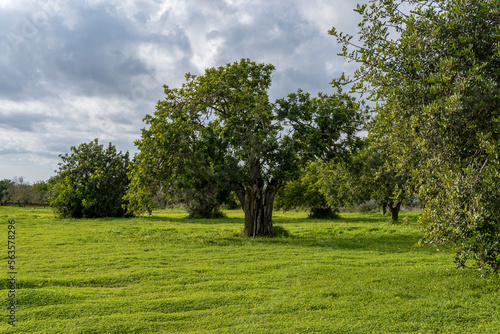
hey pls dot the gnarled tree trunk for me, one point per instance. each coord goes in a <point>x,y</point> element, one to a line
<point>257,203</point>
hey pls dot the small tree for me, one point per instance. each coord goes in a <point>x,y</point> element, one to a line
<point>364,175</point>
<point>91,182</point>
<point>220,128</point>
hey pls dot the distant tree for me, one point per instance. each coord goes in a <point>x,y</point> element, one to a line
<point>434,70</point>
<point>368,176</point>
<point>364,175</point>
<point>4,187</point>
<point>307,193</point>
<point>220,128</point>
<point>91,182</point>
<point>19,191</point>
<point>23,193</point>
<point>40,192</point>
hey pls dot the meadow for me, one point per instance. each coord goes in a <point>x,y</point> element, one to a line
<point>168,274</point>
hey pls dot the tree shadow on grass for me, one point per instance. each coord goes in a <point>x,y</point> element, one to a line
<point>276,220</point>
<point>367,219</point>
<point>187,220</point>
<point>387,244</point>
<point>359,218</point>
<point>368,233</point>
<point>371,243</point>
<point>379,238</point>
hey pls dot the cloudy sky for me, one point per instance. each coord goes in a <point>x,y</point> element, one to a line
<point>72,71</point>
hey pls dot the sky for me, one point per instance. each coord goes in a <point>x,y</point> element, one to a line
<point>72,71</point>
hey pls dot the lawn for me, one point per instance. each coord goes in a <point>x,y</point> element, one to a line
<point>169,274</point>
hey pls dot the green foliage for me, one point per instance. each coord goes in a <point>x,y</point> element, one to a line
<point>369,176</point>
<point>219,132</point>
<point>91,182</point>
<point>435,73</point>
<point>4,186</point>
<point>323,127</point>
<point>306,193</point>
<point>41,192</point>
<point>359,177</point>
<point>469,223</point>
<point>23,193</point>
<point>19,191</point>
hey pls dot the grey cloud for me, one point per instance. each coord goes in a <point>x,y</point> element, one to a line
<point>10,85</point>
<point>11,151</point>
<point>96,56</point>
<point>114,59</point>
<point>91,54</point>
<point>23,121</point>
<point>287,38</point>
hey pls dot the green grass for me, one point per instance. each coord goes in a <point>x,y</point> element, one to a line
<point>169,274</point>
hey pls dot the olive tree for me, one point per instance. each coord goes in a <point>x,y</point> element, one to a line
<point>220,129</point>
<point>433,66</point>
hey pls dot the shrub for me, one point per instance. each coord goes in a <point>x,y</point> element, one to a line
<point>91,182</point>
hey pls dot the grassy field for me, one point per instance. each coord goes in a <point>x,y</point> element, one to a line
<point>169,274</point>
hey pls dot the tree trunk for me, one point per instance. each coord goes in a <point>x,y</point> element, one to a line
<point>384,208</point>
<point>257,203</point>
<point>394,209</point>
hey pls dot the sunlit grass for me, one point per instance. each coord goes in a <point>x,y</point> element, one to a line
<point>168,274</point>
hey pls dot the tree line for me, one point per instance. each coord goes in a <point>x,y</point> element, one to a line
<point>17,191</point>
<point>430,68</point>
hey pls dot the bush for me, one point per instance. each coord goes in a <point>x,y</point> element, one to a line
<point>204,211</point>
<point>324,213</point>
<point>280,232</point>
<point>91,182</point>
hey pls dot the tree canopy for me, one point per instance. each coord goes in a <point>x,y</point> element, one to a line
<point>220,129</point>
<point>433,68</point>
<point>91,182</point>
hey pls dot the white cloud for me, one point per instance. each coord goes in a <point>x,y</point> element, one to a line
<point>322,13</point>
<point>10,4</point>
<point>325,14</point>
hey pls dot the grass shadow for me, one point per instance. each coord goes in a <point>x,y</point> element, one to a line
<point>367,219</point>
<point>276,220</point>
<point>383,237</point>
<point>368,243</point>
